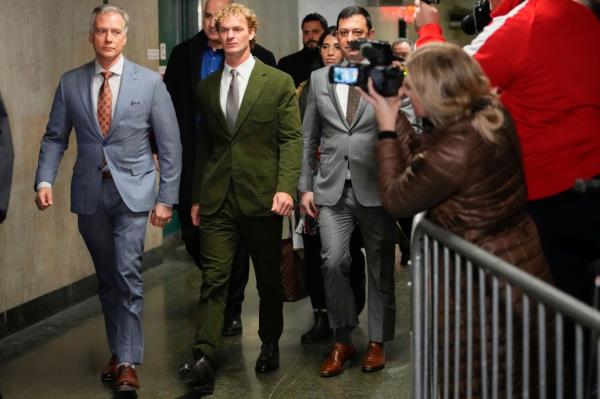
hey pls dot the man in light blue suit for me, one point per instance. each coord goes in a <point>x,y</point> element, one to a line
<point>114,106</point>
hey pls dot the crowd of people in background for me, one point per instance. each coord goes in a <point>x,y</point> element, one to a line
<point>488,139</point>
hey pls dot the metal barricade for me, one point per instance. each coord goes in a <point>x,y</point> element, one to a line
<point>455,351</point>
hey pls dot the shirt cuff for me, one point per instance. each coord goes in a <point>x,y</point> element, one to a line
<point>42,184</point>
<point>163,204</point>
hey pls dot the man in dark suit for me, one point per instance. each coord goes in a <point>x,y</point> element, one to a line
<point>300,64</point>
<point>245,181</point>
<point>114,105</point>
<point>6,160</point>
<point>342,189</point>
<point>191,61</point>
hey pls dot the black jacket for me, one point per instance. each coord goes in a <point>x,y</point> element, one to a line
<point>182,77</point>
<point>299,65</point>
<point>6,161</point>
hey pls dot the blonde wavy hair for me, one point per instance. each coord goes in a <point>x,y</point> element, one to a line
<point>239,10</point>
<point>452,87</point>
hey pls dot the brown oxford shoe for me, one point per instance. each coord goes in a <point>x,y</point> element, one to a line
<point>110,370</point>
<point>374,358</point>
<point>127,379</point>
<point>334,364</point>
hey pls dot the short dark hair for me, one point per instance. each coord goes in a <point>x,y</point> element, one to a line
<point>315,17</point>
<point>355,10</point>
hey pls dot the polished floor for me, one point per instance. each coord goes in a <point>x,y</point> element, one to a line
<point>62,356</point>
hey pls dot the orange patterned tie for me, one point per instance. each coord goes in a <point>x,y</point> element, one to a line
<point>105,104</point>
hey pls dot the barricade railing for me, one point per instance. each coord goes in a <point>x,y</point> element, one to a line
<point>482,328</point>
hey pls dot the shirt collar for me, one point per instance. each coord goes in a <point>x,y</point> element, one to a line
<point>116,68</point>
<point>244,70</point>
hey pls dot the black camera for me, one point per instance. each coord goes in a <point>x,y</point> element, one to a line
<point>387,79</point>
<point>474,22</point>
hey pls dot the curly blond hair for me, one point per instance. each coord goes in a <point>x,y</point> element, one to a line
<point>452,86</point>
<point>239,10</point>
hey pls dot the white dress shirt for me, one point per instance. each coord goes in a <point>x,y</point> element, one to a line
<point>244,71</point>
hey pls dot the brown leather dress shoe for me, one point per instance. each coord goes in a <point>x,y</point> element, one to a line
<point>109,371</point>
<point>127,379</point>
<point>334,364</point>
<point>374,358</point>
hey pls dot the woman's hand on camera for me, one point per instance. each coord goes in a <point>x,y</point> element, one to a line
<point>386,108</point>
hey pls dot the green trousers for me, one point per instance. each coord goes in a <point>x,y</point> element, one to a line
<point>219,235</point>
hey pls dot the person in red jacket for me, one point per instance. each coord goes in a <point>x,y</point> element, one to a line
<point>554,99</point>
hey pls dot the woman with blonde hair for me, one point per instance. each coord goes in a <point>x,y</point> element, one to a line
<point>465,170</point>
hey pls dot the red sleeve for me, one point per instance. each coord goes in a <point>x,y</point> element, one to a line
<point>430,33</point>
<point>501,47</point>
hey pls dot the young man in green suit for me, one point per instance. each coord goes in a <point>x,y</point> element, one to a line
<point>247,168</point>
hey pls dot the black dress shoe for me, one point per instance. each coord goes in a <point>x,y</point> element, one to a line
<point>268,360</point>
<point>232,326</point>
<point>200,375</point>
<point>320,330</point>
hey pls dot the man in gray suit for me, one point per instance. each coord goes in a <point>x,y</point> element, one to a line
<point>6,161</point>
<point>342,189</point>
<point>114,105</point>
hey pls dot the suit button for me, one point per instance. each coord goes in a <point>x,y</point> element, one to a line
<point>104,144</point>
<point>349,132</point>
<point>345,157</point>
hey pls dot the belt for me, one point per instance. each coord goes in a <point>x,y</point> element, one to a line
<point>106,174</point>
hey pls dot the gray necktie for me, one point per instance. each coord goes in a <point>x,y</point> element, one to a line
<point>232,106</point>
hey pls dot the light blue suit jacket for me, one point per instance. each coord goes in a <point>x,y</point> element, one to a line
<point>143,106</point>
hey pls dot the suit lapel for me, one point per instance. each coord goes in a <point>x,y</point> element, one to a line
<point>214,88</point>
<point>85,92</point>
<point>128,83</point>
<point>335,100</point>
<point>256,83</point>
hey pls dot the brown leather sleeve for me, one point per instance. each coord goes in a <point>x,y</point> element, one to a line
<point>415,179</point>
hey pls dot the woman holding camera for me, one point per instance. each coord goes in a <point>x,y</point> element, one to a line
<point>465,170</point>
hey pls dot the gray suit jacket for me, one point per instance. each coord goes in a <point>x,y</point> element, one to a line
<point>6,160</point>
<point>324,124</point>
<point>143,106</point>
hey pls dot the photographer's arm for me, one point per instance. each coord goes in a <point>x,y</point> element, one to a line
<point>410,180</point>
<point>427,24</point>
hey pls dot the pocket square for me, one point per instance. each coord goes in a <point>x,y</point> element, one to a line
<point>135,102</point>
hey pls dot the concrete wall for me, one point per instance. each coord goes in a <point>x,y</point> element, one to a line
<point>41,252</point>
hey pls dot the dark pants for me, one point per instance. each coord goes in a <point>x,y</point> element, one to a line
<point>238,279</point>
<point>314,274</point>
<point>569,227</point>
<point>220,234</point>
<point>190,234</point>
<point>240,269</point>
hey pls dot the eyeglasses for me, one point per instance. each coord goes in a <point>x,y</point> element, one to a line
<point>355,32</point>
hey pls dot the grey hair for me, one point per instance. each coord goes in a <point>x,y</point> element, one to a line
<point>402,40</point>
<point>106,8</point>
